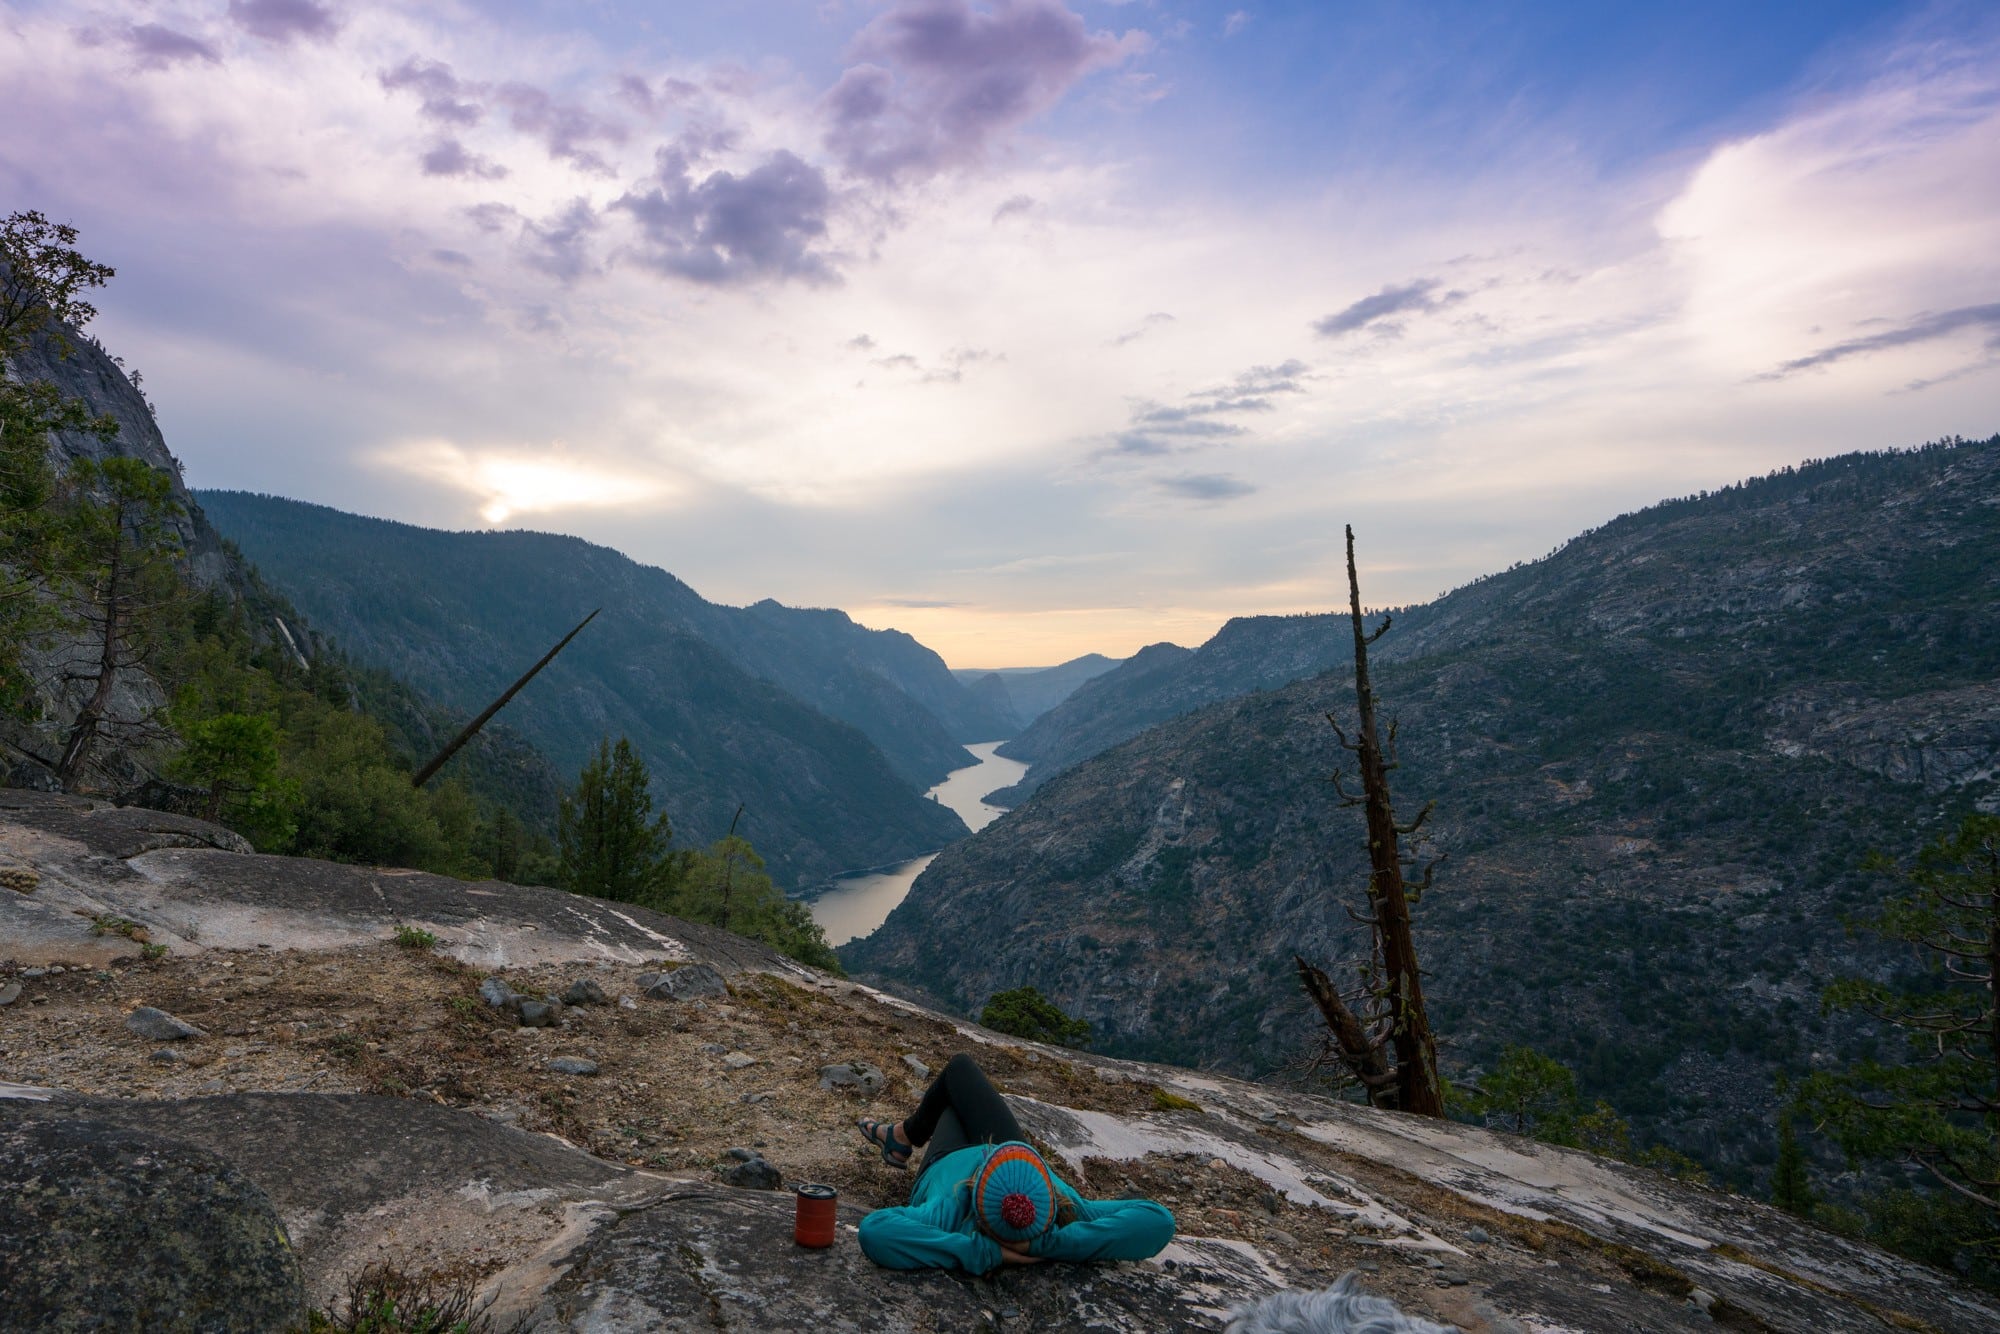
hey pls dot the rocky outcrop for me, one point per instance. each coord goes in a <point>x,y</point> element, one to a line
<point>1272,1189</point>
<point>110,1227</point>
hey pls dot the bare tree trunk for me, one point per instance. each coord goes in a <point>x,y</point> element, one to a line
<point>1417,1087</point>
<point>471,729</point>
<point>1363,1059</point>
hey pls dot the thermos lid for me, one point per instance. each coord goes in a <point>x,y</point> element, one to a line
<point>815,1191</point>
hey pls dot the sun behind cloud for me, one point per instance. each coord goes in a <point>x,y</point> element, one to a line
<point>509,482</point>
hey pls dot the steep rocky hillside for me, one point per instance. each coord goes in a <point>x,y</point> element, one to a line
<point>368,1100</point>
<point>459,615</point>
<point>1659,757</point>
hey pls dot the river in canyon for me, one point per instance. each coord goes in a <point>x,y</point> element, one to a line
<point>857,904</point>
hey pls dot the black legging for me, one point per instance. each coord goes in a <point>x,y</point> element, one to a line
<point>960,1108</point>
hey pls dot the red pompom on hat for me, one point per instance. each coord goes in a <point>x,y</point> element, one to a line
<point>1014,1194</point>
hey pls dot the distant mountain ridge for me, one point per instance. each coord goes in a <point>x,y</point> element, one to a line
<point>1030,692</point>
<point>1659,757</point>
<point>760,706</point>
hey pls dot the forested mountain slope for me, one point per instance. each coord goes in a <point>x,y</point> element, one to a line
<point>460,615</point>
<point>1659,757</point>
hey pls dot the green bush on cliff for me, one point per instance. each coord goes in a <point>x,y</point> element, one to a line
<point>1026,1013</point>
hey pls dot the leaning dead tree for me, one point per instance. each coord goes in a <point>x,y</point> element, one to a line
<point>1388,1046</point>
<point>423,775</point>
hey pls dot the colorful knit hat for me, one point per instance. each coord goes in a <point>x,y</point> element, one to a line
<point>1014,1194</point>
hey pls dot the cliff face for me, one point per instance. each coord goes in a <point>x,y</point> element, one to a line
<point>1659,758</point>
<point>89,374</point>
<point>459,615</point>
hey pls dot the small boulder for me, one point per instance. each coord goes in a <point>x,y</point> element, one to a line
<point>167,1056</point>
<point>741,1155</point>
<point>754,1175</point>
<point>159,1026</point>
<point>540,1014</point>
<point>916,1067</point>
<point>585,991</point>
<point>498,994</point>
<point>712,1049</point>
<point>737,1060</point>
<point>10,993</point>
<point>858,1075</point>
<point>571,1065</point>
<point>694,982</point>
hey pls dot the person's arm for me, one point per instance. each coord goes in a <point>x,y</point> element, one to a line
<point>928,1236</point>
<point>1108,1230</point>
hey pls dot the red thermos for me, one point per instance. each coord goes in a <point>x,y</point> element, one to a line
<point>817,1208</point>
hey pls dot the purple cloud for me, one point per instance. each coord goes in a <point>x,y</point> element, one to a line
<point>1921,329</point>
<point>938,80</point>
<point>1409,299</point>
<point>1146,326</point>
<point>1208,488</point>
<point>559,246</point>
<point>451,158</point>
<point>159,47</point>
<point>444,96</point>
<point>730,229</point>
<point>283,20</point>
<point>567,131</point>
<point>1012,205</point>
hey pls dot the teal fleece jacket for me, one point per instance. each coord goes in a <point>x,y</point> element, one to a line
<point>935,1230</point>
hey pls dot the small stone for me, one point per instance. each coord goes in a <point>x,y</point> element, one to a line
<point>36,972</point>
<point>538,1014</point>
<point>852,1074</point>
<point>917,1067</point>
<point>160,1026</point>
<point>1702,1300</point>
<point>166,1056</point>
<point>1282,1237</point>
<point>571,1065</point>
<point>713,1049</point>
<point>627,1003</point>
<point>754,1175</point>
<point>737,1060</point>
<point>1478,1235</point>
<point>585,991</point>
<point>497,993</point>
<point>693,982</point>
<point>1273,1203</point>
<point>10,993</point>
<point>1453,1279</point>
<point>754,1098</point>
<point>741,1155</point>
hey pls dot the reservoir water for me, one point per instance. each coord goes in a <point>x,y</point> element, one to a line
<point>857,904</point>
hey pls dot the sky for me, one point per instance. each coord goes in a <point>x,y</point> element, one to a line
<point>1031,327</point>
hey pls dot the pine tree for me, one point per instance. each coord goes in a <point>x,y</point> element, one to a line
<point>1791,1188</point>
<point>124,588</point>
<point>610,843</point>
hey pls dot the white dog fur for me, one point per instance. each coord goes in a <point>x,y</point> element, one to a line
<point>1341,1309</point>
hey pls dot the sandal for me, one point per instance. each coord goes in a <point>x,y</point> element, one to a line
<point>882,1134</point>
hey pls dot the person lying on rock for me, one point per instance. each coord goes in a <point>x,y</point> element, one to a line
<point>984,1198</point>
